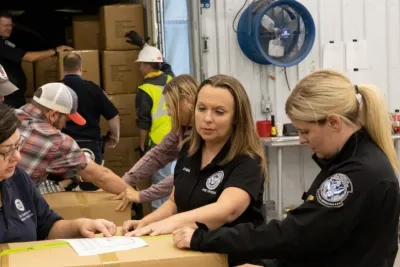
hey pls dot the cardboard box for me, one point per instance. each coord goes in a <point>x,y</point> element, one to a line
<point>127,115</point>
<point>121,158</point>
<point>86,32</point>
<point>93,205</point>
<point>116,21</point>
<point>46,71</point>
<point>90,65</point>
<point>121,74</point>
<point>160,252</point>
<point>30,78</point>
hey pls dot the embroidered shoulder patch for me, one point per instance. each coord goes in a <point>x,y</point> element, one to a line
<point>334,190</point>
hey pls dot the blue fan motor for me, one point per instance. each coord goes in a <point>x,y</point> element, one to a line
<point>281,33</point>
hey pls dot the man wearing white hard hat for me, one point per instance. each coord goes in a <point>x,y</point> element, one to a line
<point>47,150</point>
<point>151,111</point>
<point>6,87</point>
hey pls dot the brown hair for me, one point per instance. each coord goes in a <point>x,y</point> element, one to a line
<point>244,138</point>
<point>181,88</point>
<point>72,62</point>
<point>327,92</point>
<point>9,122</point>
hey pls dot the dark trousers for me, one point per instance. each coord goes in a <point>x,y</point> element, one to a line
<point>95,147</point>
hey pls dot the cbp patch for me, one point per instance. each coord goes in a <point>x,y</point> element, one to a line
<point>214,180</point>
<point>334,190</point>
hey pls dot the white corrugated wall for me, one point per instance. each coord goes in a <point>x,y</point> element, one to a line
<point>377,22</point>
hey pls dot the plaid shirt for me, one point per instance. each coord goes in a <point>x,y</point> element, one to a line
<point>46,149</point>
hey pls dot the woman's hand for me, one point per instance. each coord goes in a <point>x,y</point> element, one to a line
<point>132,225</point>
<point>182,237</point>
<point>88,228</point>
<point>127,196</point>
<point>163,227</point>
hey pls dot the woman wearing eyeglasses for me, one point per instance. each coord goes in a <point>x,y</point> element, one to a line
<point>24,214</point>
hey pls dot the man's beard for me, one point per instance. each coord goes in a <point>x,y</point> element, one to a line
<point>57,123</point>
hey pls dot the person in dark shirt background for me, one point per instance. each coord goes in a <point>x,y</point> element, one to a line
<point>92,103</point>
<point>11,57</point>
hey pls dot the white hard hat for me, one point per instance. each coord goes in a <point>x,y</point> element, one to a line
<point>149,54</point>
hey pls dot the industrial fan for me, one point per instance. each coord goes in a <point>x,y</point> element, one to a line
<point>280,32</point>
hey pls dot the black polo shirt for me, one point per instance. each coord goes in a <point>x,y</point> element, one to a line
<point>349,217</point>
<point>92,103</point>
<point>25,215</point>
<point>195,188</point>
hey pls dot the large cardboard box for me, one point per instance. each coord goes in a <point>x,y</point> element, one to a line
<point>86,32</point>
<point>160,252</point>
<point>46,71</point>
<point>127,115</point>
<point>121,74</point>
<point>27,67</point>
<point>93,205</point>
<point>116,21</point>
<point>121,158</point>
<point>90,65</point>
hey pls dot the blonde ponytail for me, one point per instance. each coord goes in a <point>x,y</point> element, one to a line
<point>326,92</point>
<point>374,117</point>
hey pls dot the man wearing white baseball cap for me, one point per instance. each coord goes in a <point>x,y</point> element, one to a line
<point>47,150</point>
<point>6,87</point>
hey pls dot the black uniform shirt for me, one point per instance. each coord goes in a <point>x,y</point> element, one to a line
<point>349,218</point>
<point>25,215</point>
<point>92,103</point>
<point>11,59</point>
<point>195,188</point>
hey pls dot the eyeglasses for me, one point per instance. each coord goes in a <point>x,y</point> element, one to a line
<point>13,148</point>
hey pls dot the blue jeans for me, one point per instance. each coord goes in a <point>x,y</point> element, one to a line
<point>158,177</point>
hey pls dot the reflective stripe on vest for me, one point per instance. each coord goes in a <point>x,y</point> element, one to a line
<point>161,122</point>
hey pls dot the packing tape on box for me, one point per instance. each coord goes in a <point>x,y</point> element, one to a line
<point>82,200</point>
<point>109,259</point>
<point>4,259</point>
<point>5,250</point>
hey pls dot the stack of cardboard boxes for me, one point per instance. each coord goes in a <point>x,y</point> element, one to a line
<point>108,60</point>
<point>121,77</point>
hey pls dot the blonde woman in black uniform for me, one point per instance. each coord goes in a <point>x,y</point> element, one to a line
<point>350,213</point>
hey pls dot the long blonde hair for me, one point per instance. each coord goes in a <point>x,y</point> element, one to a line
<point>327,92</point>
<point>182,88</point>
<point>244,138</point>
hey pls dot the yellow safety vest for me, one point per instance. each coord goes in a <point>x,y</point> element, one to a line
<point>161,122</point>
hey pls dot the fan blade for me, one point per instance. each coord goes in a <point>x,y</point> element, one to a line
<point>294,25</point>
<point>280,17</point>
<point>276,48</point>
<point>268,23</point>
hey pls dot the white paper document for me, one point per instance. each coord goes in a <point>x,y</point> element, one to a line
<point>95,246</point>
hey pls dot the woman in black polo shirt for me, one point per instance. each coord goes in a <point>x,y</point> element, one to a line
<point>24,214</point>
<point>221,169</point>
<point>351,211</point>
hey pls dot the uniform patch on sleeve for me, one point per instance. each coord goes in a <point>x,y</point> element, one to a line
<point>334,190</point>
